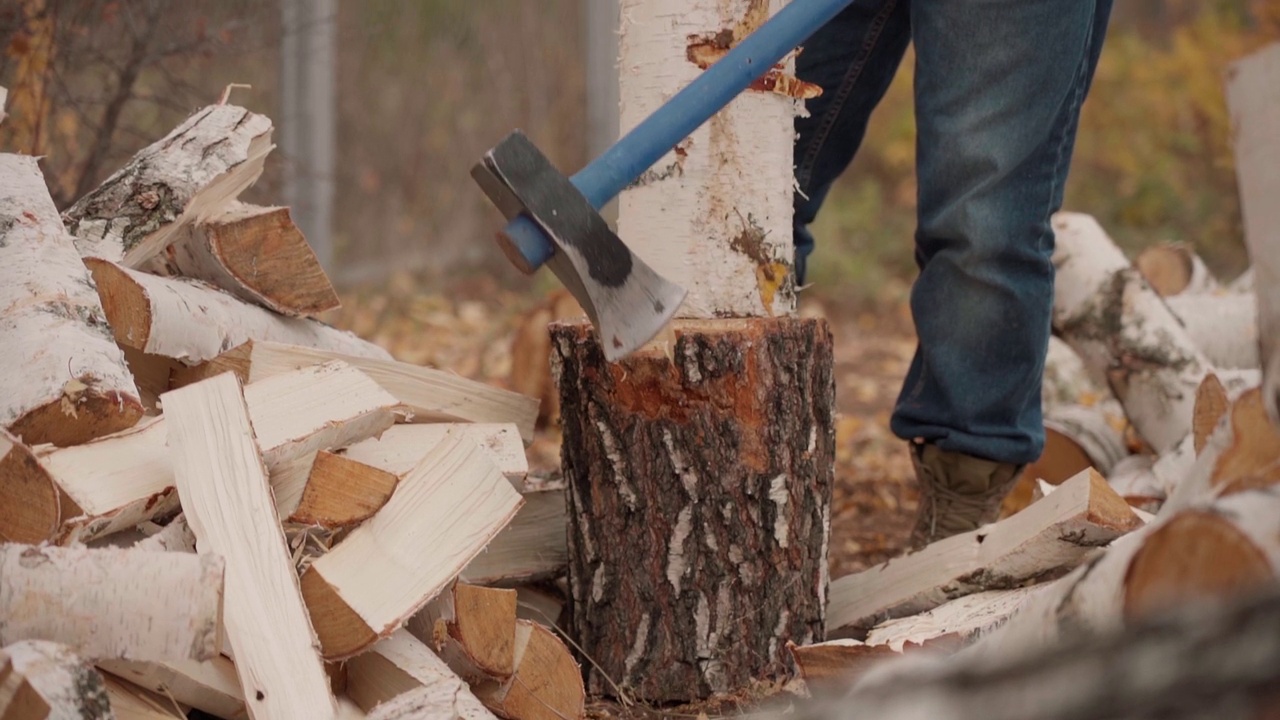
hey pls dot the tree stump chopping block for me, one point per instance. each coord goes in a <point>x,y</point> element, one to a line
<point>699,502</point>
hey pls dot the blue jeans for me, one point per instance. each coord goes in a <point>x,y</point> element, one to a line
<point>998,89</point>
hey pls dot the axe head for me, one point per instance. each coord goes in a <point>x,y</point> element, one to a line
<point>628,303</point>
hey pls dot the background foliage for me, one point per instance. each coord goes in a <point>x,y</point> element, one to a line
<point>426,86</point>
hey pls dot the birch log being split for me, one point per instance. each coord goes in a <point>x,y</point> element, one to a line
<point>446,511</point>
<point>1052,534</point>
<point>257,254</point>
<point>42,680</point>
<point>1124,332</point>
<point>226,499</point>
<point>185,177</point>
<point>108,603</point>
<point>433,395</point>
<point>62,378</point>
<point>193,322</point>
<point>1253,98</point>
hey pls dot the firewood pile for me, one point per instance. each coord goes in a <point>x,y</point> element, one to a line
<point>212,501</point>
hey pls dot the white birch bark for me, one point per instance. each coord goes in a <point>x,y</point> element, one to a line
<point>1253,98</point>
<point>174,537</point>
<point>111,603</point>
<point>226,499</point>
<point>713,215</point>
<point>435,396</point>
<point>440,518</point>
<point>1127,336</point>
<point>62,378</point>
<point>41,680</point>
<point>193,322</point>
<point>1056,532</point>
<point>1224,326</point>
<point>186,176</point>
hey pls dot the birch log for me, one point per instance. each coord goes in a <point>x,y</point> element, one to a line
<point>1173,269</point>
<point>193,322</point>
<point>108,603</point>
<point>42,680</point>
<point>1056,532</point>
<point>185,177</point>
<point>399,665</point>
<point>29,504</point>
<point>62,378</point>
<point>257,254</point>
<point>472,629</point>
<point>1125,333</point>
<point>1253,98</point>
<point>121,480</point>
<point>433,395</point>
<point>714,214</point>
<point>174,537</point>
<point>546,684</point>
<point>1244,447</point>
<point>1224,326</point>
<point>441,516</point>
<point>226,499</point>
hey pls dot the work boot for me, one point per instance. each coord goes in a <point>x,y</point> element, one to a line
<point>958,493</point>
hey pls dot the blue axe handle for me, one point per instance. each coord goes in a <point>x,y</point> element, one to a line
<point>716,87</point>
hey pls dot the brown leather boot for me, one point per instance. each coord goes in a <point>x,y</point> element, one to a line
<point>958,493</point>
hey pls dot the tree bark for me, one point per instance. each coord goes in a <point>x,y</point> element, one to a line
<point>62,378</point>
<point>1224,326</point>
<point>41,680</point>
<point>699,501</point>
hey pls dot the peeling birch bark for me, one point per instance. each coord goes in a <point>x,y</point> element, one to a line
<point>225,496</point>
<point>1124,331</point>
<point>1173,269</point>
<point>1054,534</point>
<point>546,684</point>
<point>29,503</point>
<point>714,214</point>
<point>472,629</point>
<point>433,395</point>
<point>1223,326</point>
<point>185,177</point>
<point>1253,100</point>
<point>119,481</point>
<point>42,680</point>
<point>62,378</point>
<point>112,603</point>
<point>446,510</point>
<point>193,322</point>
<point>257,254</point>
<point>400,677</point>
<point>210,686</point>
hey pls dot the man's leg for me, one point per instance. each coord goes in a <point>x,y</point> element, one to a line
<point>999,84</point>
<point>853,59</point>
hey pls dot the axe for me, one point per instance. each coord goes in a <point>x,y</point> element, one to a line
<point>555,220</point>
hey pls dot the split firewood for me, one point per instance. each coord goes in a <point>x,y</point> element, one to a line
<point>1173,269</point>
<point>472,629</point>
<point>1244,447</point>
<point>118,481</point>
<point>1212,402</point>
<point>187,176</point>
<point>330,490</point>
<point>401,670</point>
<point>130,702</point>
<point>440,518</point>
<point>257,254</point>
<point>41,680</point>
<point>151,373</point>
<point>109,603</point>
<point>29,504</point>
<point>174,537</point>
<point>540,604</point>
<point>546,684</point>
<point>62,378</point>
<point>400,448</point>
<point>1223,326</point>
<point>222,483</point>
<point>192,321</point>
<point>1053,534</point>
<point>1124,332</point>
<point>433,395</point>
<point>210,686</point>
<point>1254,106</point>
<point>1202,662</point>
<point>532,547</point>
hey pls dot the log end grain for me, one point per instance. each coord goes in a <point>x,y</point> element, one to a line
<point>342,492</point>
<point>1255,444</point>
<point>29,511</point>
<point>485,624</point>
<point>1107,509</point>
<point>340,630</point>
<point>127,307</point>
<point>82,413</point>
<point>1196,555</point>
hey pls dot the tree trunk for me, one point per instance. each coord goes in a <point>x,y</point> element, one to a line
<point>62,378</point>
<point>699,501</point>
